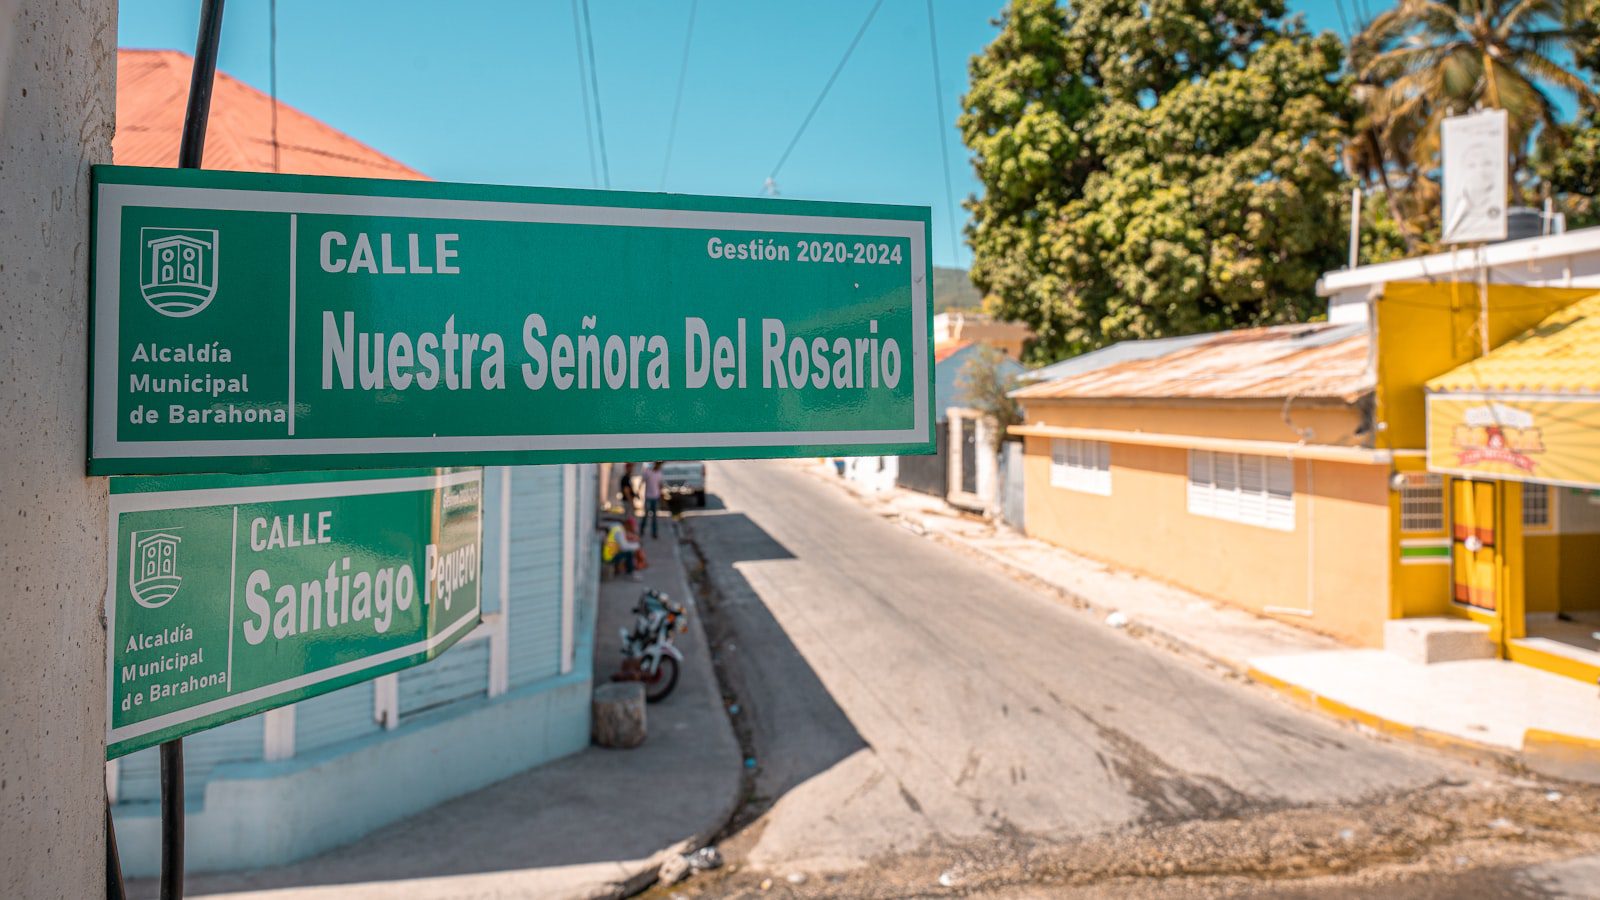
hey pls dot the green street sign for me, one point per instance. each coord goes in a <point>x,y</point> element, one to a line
<point>231,595</point>
<point>246,322</point>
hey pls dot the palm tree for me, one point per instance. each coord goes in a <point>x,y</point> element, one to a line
<point>1429,59</point>
<point>1379,151</point>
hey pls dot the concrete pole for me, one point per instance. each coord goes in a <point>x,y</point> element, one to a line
<point>58,65</point>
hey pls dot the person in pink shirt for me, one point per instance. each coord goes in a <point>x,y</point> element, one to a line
<point>652,499</point>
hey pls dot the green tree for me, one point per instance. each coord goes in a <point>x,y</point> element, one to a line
<point>1570,169</point>
<point>1571,173</point>
<point>1379,153</point>
<point>985,383</point>
<point>1154,168</point>
<point>1024,119</point>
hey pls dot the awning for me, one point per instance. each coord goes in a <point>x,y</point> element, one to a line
<point>1529,410</point>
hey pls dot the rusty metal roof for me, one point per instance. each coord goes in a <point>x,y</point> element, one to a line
<point>152,88</point>
<point>1309,360</point>
<point>1122,351</point>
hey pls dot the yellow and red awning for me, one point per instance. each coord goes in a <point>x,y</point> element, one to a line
<point>1527,411</point>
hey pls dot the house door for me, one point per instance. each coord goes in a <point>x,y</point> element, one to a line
<point>1473,544</point>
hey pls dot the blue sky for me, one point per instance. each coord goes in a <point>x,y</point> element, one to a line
<point>488,90</point>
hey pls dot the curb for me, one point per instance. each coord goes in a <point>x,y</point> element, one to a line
<point>1465,748</point>
<point>649,873</point>
<point>1562,755</point>
<point>1543,752</point>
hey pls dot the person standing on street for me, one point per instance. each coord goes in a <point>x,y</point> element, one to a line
<point>627,491</point>
<point>652,499</point>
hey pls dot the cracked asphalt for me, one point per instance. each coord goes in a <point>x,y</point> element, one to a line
<point>914,715</point>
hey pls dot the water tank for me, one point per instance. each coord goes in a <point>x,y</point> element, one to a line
<point>1523,222</point>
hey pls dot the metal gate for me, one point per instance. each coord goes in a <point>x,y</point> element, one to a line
<point>969,455</point>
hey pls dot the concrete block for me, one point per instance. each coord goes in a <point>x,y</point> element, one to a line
<point>1433,640</point>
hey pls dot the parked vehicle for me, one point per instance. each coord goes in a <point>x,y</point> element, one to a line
<point>681,479</point>
<point>647,651</point>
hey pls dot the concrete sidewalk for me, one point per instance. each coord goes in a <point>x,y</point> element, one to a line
<point>1492,709</point>
<point>596,824</point>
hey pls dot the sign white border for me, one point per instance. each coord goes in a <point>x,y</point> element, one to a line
<point>192,499</point>
<point>107,350</point>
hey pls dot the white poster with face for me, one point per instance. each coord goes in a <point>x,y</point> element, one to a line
<point>1475,150</point>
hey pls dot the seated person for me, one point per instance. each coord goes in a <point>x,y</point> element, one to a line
<point>632,533</point>
<point>621,548</point>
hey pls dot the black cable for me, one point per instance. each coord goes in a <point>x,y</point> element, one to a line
<point>583,88</point>
<point>115,888</point>
<point>677,102</point>
<point>272,68</point>
<point>594,84</point>
<point>825,88</point>
<point>944,139</point>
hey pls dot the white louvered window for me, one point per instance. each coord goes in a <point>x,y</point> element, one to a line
<point>1081,465</point>
<point>1242,487</point>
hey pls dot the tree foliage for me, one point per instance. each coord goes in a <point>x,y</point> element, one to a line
<point>1154,168</point>
<point>985,383</point>
<point>1570,169</point>
<point>1439,59</point>
<point>1425,60</point>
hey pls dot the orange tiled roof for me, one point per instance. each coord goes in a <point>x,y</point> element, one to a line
<point>943,352</point>
<point>1313,360</point>
<point>152,88</point>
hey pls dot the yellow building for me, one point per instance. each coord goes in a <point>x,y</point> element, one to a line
<point>1517,435</point>
<point>1292,470</point>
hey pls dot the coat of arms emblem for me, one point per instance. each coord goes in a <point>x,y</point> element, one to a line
<point>153,570</point>
<point>178,269</point>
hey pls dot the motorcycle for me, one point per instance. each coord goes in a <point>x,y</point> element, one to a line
<point>647,651</point>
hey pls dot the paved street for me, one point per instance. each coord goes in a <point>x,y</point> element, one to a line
<point>902,698</point>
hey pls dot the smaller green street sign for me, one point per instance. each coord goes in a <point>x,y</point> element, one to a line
<point>244,322</point>
<point>231,595</point>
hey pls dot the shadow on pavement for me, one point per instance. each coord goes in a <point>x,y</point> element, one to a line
<point>574,827</point>
<point>783,702</point>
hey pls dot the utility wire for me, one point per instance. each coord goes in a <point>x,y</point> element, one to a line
<point>594,85</point>
<point>272,76</point>
<point>677,102</point>
<point>583,88</point>
<point>944,138</point>
<point>1344,21</point>
<point>773,178</point>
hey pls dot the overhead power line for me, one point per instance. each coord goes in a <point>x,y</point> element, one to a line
<point>1344,21</point>
<point>677,102</point>
<point>944,138</point>
<point>773,178</point>
<point>583,89</point>
<point>594,85</point>
<point>272,70</point>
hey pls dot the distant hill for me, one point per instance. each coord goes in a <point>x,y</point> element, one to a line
<point>952,289</point>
